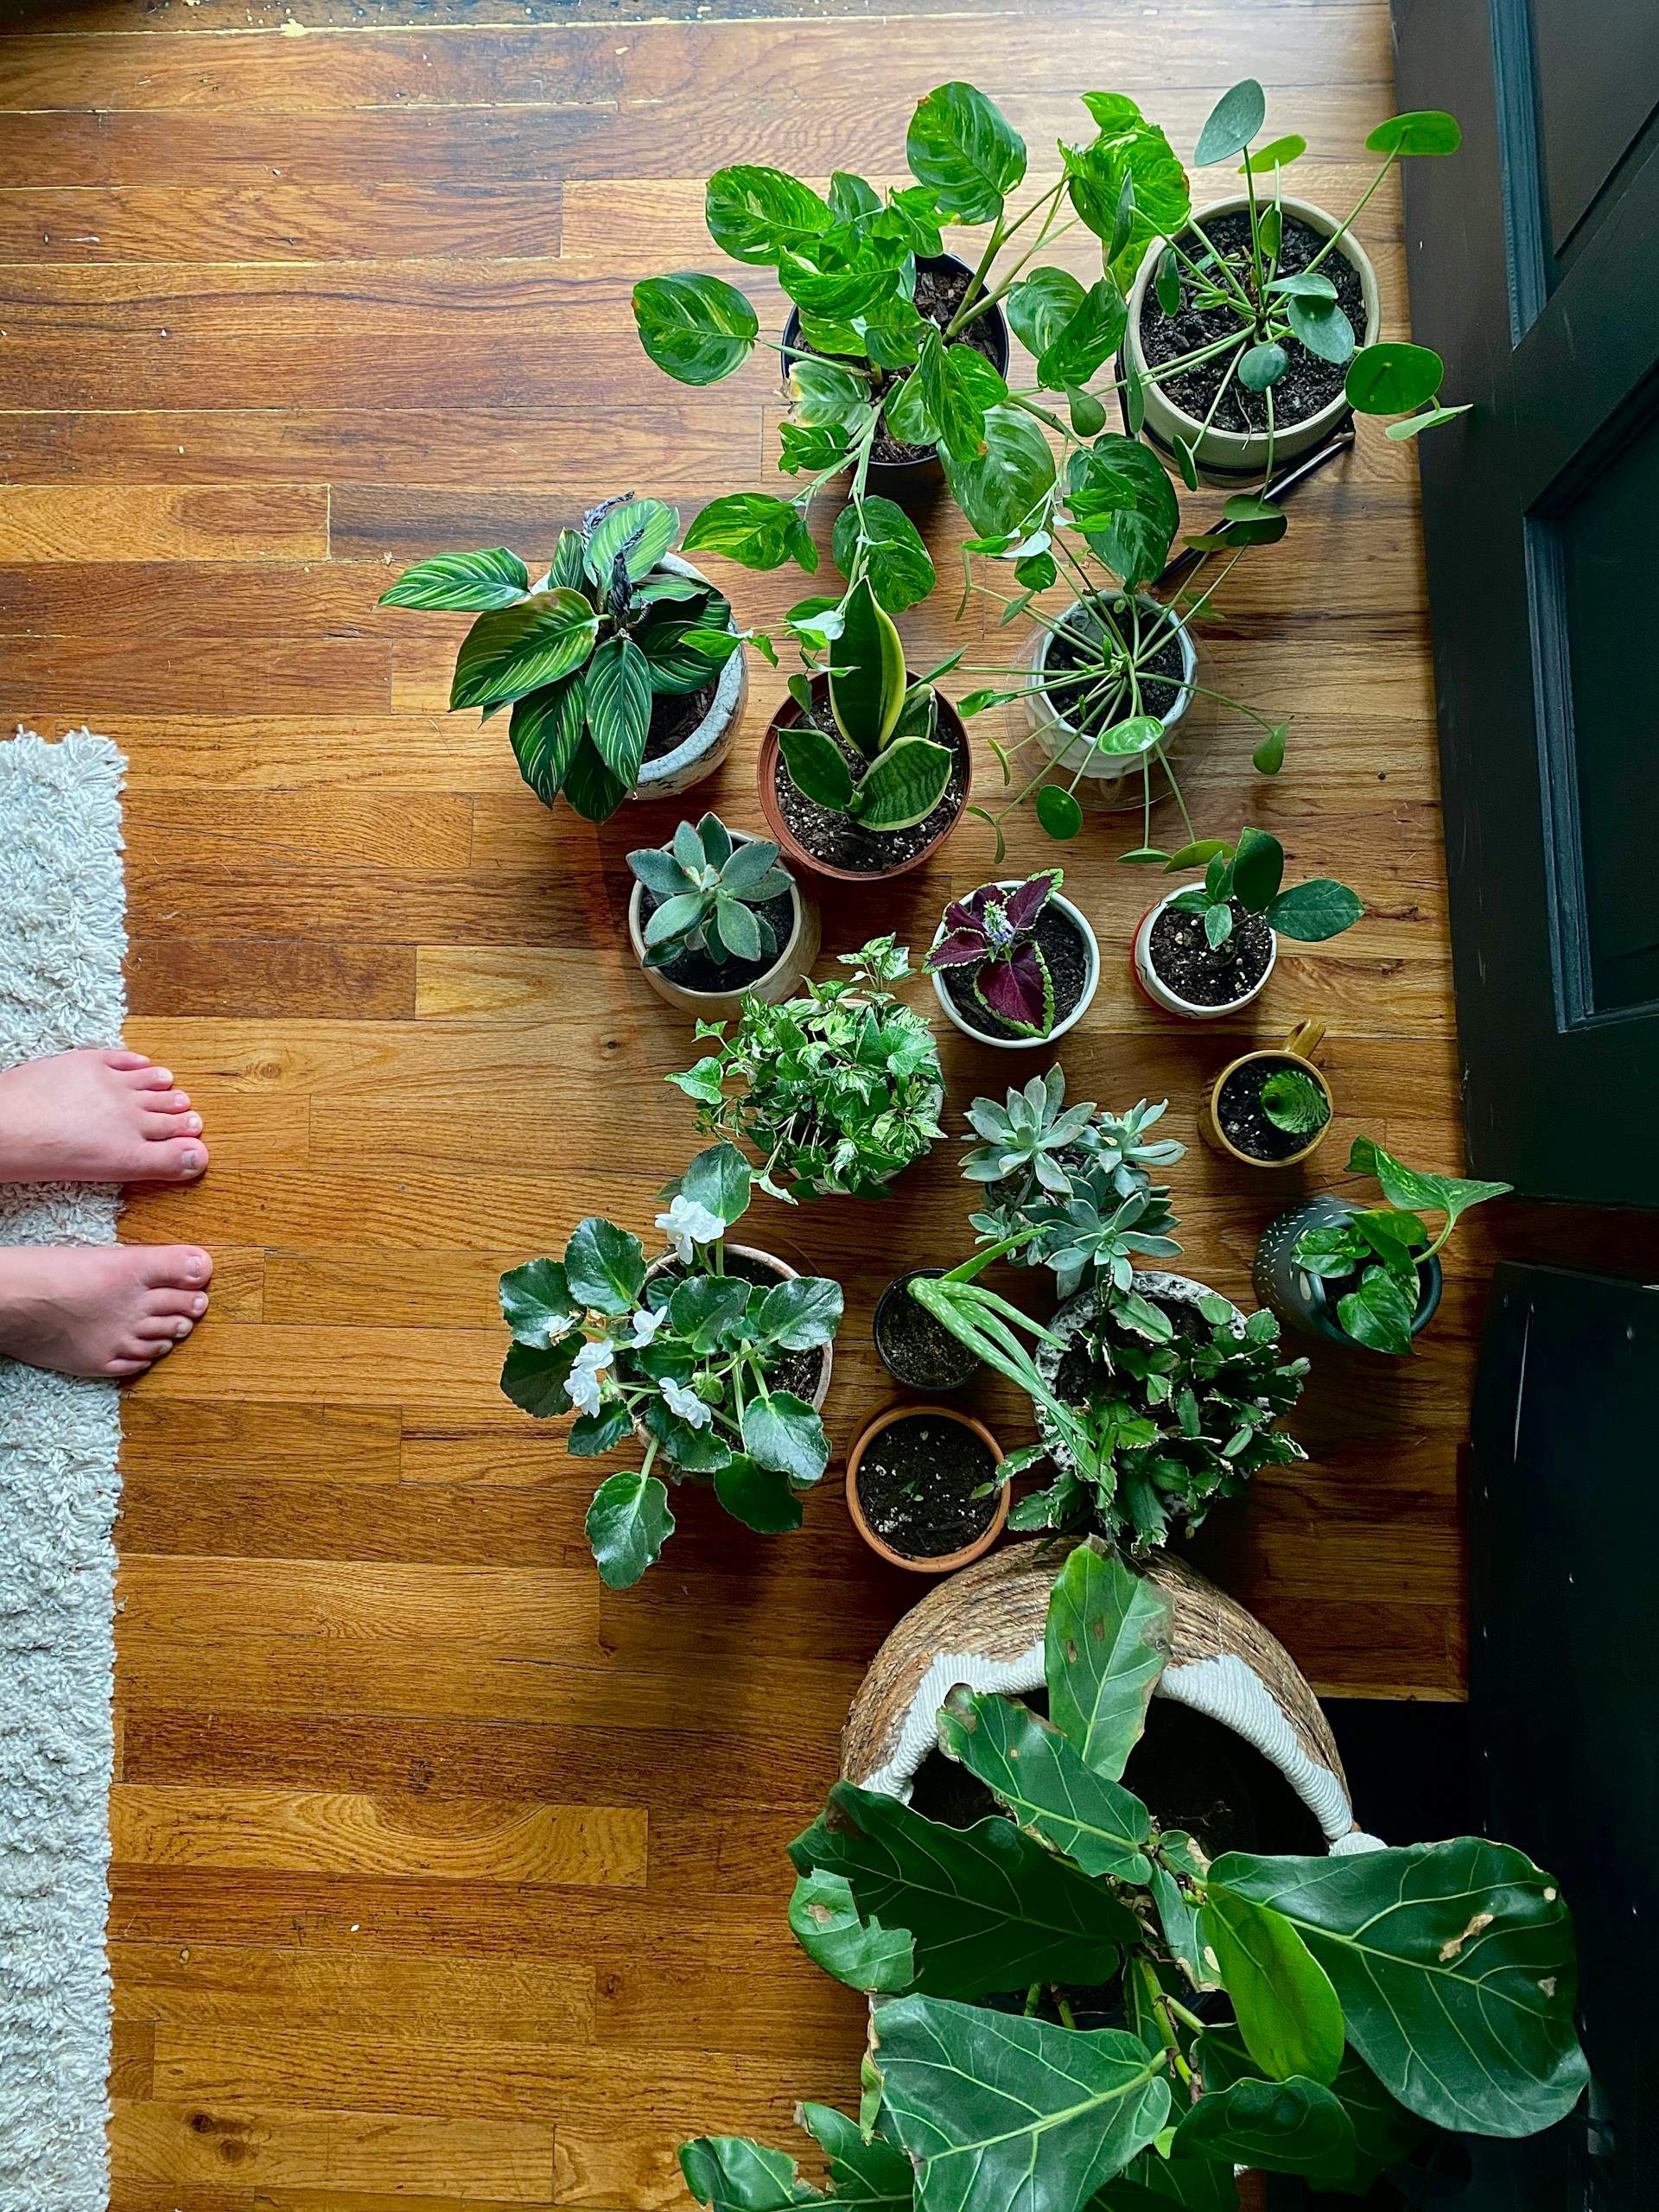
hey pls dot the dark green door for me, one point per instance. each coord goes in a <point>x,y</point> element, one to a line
<point>1534,264</point>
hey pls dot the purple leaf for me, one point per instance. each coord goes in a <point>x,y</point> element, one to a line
<point>1019,989</point>
<point>961,948</point>
<point>1029,899</point>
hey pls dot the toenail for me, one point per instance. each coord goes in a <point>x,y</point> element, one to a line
<point>192,1269</point>
<point>184,1328</point>
<point>164,1076</point>
<point>199,1305</point>
<point>192,1122</point>
<point>190,1160</point>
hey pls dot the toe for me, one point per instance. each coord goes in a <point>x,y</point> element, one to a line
<point>148,1078</point>
<point>165,1102</point>
<point>170,1306</point>
<point>181,1158</point>
<point>160,1123</point>
<point>177,1267</point>
<point>157,1331</point>
<point>124,1060</point>
<point>121,1368</point>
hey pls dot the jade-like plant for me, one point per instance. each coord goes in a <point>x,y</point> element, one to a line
<point>1381,1249</point>
<point>680,1356</point>
<point>712,893</point>
<point>1322,2017</point>
<point>580,654</point>
<point>991,937</point>
<point>889,723</point>
<point>839,1090</point>
<point>1252,872</point>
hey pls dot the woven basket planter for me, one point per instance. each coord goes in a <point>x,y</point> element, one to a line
<point>984,1627</point>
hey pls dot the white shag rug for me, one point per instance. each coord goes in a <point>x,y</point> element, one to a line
<point>62,937</point>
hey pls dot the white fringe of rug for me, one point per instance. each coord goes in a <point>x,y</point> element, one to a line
<point>62,937</point>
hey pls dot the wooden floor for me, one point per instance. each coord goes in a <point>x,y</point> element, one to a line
<point>439,1873</point>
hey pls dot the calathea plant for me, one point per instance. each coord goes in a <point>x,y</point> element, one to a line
<point>580,654</point>
<point>900,771</point>
<point>712,893</point>
<point>689,1358</point>
<point>1379,1249</point>
<point>1251,873</point>
<point>991,937</point>
<point>839,1090</point>
<point>1311,2016</point>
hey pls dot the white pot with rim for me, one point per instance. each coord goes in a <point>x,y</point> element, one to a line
<point>1230,456</point>
<point>701,753</point>
<point>1090,981</point>
<point>774,984</point>
<point>1171,1002</point>
<point>1072,749</point>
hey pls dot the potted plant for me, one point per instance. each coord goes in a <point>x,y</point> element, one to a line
<point>839,1090</point>
<point>620,665</point>
<point>863,772</point>
<point>1254,328</point>
<point>1365,1275</point>
<point>1014,963</point>
<point>712,916</point>
<point>923,1488</point>
<point>1037,1157</point>
<point>1270,1108</point>
<point>715,1358</point>
<point>1073,2003</point>
<point>910,1344</point>
<point>1207,951</point>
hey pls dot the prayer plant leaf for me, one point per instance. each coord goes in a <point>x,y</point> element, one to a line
<point>697,329</point>
<point>1106,1643</point>
<point>1046,1785</point>
<point>824,1917</point>
<point>518,648</point>
<point>471,581</point>
<point>755,213</point>
<point>966,151</point>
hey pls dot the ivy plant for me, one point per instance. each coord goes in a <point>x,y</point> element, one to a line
<point>680,1358</point>
<point>580,654</point>
<point>1321,2017</point>
<point>839,1090</point>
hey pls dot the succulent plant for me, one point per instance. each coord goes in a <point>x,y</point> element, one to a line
<point>992,934</point>
<point>712,890</point>
<point>1293,1101</point>
<point>1028,1138</point>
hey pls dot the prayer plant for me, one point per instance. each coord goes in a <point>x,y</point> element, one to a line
<point>683,1357</point>
<point>839,1090</point>
<point>991,935</point>
<point>581,654</point>
<point>1321,2017</point>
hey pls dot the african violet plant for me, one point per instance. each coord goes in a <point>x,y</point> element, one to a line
<point>1322,2017</point>
<point>713,892</point>
<point>839,1090</point>
<point>580,654</point>
<point>991,937</point>
<point>1379,1249</point>
<point>1251,873</point>
<point>681,1356</point>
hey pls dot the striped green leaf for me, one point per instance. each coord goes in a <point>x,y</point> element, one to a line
<point>545,730</point>
<point>519,648</point>
<point>618,695</point>
<point>471,582</point>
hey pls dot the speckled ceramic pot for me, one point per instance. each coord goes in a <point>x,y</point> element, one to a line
<point>1308,1302</point>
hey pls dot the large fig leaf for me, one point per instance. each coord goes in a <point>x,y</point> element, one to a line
<point>869,2171</point>
<point>1046,1786</point>
<point>1107,1642</point>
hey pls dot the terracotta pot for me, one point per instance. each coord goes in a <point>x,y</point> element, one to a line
<point>779,829</point>
<point>702,752</point>
<point>948,1562</point>
<point>1090,984</point>
<point>1171,1002</point>
<point>774,984</point>
<point>1232,456</point>
<point>1068,748</point>
<point>1301,1046</point>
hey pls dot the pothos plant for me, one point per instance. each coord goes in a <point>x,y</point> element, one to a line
<point>1311,2016</point>
<point>839,1090</point>
<point>1250,874</point>
<point>580,654</point>
<point>681,1357</point>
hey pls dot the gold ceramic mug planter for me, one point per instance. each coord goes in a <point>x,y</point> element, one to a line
<point>1301,1046</point>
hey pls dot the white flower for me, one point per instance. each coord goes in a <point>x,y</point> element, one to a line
<point>687,1224</point>
<point>686,1403</point>
<point>558,1326</point>
<point>582,1387</point>
<point>646,1322</point>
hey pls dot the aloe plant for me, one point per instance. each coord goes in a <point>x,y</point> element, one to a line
<point>1322,2017</point>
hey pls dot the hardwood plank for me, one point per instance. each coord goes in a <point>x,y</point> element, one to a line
<point>160,522</point>
<point>330,1444</point>
<point>176,973</point>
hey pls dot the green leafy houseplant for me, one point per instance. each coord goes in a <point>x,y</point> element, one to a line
<point>580,654</point>
<point>1295,1103</point>
<point>712,893</point>
<point>839,1090</point>
<point>1313,2016</point>
<point>1251,873</point>
<point>683,1357</point>
<point>1381,1249</point>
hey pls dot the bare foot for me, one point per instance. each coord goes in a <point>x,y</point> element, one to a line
<point>97,1116</point>
<point>99,1309</point>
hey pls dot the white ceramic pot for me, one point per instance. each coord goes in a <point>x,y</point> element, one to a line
<point>1229,456</point>
<point>779,982</point>
<point>1068,748</point>
<point>1090,982</point>
<point>702,752</point>
<point>1171,1002</point>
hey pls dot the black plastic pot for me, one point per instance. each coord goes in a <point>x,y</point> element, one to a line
<point>906,480</point>
<point>963,1368</point>
<point>1308,1302</point>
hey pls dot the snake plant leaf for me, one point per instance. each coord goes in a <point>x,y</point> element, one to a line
<point>1046,1785</point>
<point>866,2170</point>
<point>1295,2127</point>
<point>473,582</point>
<point>728,2173</point>
<point>867,685</point>
<point>816,766</point>
<point>966,151</point>
<point>1464,2012</point>
<point>827,1924</point>
<point>904,784</point>
<point>990,1909</point>
<point>518,648</point>
<point>1106,1643</point>
<point>1002,2113</point>
<point>628,1523</point>
<point>1286,2010</point>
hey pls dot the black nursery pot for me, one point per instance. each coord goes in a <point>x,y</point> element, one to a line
<point>1308,1302</point>
<point>914,472</point>
<point>915,1348</point>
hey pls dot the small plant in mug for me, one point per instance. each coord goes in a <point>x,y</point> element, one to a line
<point>712,892</point>
<point>1293,1101</point>
<point>1381,1249</point>
<point>992,936</point>
<point>1251,873</point>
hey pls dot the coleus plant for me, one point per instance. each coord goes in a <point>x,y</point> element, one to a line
<point>680,1358</point>
<point>991,936</point>
<point>839,1090</point>
<point>579,654</point>
<point>1252,872</point>
<point>1322,2017</point>
<point>1380,1249</point>
<point>713,894</point>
